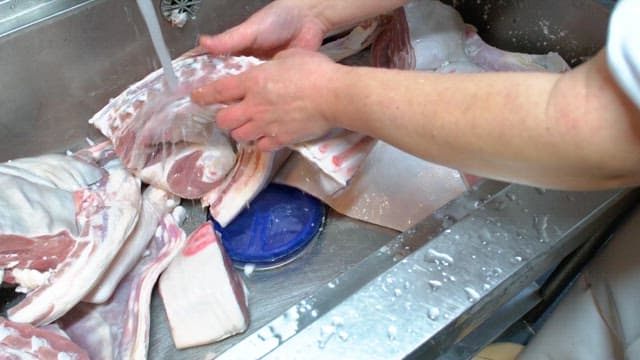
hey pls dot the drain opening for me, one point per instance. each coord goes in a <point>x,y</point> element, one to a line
<point>177,12</point>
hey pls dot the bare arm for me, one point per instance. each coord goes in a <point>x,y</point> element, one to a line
<point>577,130</point>
<point>572,131</point>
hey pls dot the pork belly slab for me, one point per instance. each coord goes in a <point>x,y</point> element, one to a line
<point>62,221</point>
<point>27,342</point>
<point>203,296</point>
<point>119,328</point>
<point>156,203</point>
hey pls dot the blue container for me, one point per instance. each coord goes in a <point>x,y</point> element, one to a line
<point>274,229</point>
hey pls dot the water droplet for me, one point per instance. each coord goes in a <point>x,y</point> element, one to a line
<point>541,191</point>
<point>436,257</point>
<point>343,335</point>
<point>435,285</point>
<point>326,332</point>
<point>314,313</point>
<point>433,313</point>
<point>540,224</point>
<point>472,294</point>
<point>397,292</point>
<point>392,332</point>
<point>331,285</point>
<point>511,196</point>
<point>516,259</point>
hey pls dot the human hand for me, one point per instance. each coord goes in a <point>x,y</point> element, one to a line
<point>280,25</point>
<point>281,102</point>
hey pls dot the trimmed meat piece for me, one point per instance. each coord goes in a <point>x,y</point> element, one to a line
<point>203,296</point>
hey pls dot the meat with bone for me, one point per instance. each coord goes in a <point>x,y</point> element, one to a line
<point>62,220</point>
<point>163,137</point>
<point>156,203</point>
<point>25,341</point>
<point>203,296</point>
<point>174,144</point>
<point>119,328</point>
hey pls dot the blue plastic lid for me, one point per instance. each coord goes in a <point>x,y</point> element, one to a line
<point>275,227</point>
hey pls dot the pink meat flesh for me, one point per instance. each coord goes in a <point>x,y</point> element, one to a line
<point>163,137</point>
<point>203,296</point>
<point>119,328</point>
<point>64,219</point>
<point>25,341</point>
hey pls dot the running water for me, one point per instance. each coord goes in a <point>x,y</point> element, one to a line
<point>150,18</point>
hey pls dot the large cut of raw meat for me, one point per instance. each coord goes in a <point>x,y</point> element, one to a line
<point>173,144</point>
<point>119,328</point>
<point>62,220</point>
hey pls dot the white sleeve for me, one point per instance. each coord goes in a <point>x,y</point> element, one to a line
<point>623,47</point>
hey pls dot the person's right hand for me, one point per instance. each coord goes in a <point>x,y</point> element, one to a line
<point>280,25</point>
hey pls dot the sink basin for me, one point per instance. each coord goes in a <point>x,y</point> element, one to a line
<point>361,288</point>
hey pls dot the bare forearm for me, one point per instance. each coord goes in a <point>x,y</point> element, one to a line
<point>563,131</point>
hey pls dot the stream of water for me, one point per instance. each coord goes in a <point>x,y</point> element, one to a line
<point>150,18</point>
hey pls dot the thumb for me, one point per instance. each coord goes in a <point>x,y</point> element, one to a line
<point>230,42</point>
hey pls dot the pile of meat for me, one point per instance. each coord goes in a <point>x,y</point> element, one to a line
<point>87,235</point>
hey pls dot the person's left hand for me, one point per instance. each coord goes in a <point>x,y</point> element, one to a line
<point>281,102</point>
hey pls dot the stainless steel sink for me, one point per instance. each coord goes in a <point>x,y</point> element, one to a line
<point>359,289</point>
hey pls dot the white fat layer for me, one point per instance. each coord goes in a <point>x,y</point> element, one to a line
<point>205,313</point>
<point>30,278</point>
<point>34,186</point>
<point>179,214</point>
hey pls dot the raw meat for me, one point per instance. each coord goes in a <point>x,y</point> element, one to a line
<point>62,220</point>
<point>163,137</point>
<point>25,341</point>
<point>339,154</point>
<point>431,36</point>
<point>156,203</point>
<point>203,296</point>
<point>119,328</point>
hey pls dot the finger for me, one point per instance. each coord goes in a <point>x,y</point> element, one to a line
<point>230,42</point>
<point>268,143</point>
<point>225,90</point>
<point>246,133</point>
<point>231,117</point>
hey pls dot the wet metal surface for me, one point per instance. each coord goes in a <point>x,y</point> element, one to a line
<point>434,296</point>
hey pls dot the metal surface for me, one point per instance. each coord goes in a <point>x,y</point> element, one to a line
<point>343,243</point>
<point>576,29</point>
<point>436,295</point>
<point>56,74</point>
